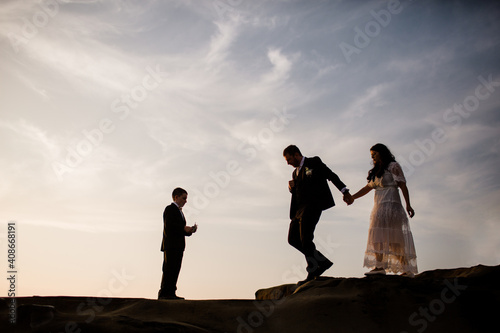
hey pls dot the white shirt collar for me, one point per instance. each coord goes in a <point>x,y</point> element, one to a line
<point>302,162</point>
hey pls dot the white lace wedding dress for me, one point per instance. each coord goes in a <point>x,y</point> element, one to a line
<point>390,241</point>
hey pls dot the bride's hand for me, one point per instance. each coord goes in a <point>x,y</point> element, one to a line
<point>410,211</point>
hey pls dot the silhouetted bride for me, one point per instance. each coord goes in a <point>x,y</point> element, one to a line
<point>390,244</point>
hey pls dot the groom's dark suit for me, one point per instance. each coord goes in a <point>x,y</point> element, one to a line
<point>310,196</point>
<point>173,245</point>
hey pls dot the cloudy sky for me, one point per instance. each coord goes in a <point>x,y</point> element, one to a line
<point>106,106</point>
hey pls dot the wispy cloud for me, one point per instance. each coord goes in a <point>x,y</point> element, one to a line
<point>33,136</point>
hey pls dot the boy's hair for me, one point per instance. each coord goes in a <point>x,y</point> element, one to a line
<point>177,192</point>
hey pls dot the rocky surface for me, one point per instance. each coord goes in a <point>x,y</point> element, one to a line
<point>450,300</point>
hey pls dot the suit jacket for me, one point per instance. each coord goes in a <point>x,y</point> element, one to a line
<point>311,186</point>
<point>173,229</point>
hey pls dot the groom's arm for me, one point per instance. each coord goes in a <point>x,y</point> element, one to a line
<point>330,175</point>
<point>335,179</point>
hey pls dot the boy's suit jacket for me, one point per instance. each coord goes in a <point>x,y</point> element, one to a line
<point>173,229</point>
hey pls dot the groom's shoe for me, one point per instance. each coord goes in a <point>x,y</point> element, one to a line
<point>317,272</point>
<point>322,268</point>
<point>310,277</point>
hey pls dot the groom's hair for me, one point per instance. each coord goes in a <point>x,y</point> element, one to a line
<point>178,192</point>
<point>291,150</point>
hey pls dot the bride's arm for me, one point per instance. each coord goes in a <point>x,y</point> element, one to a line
<point>406,195</point>
<point>361,192</point>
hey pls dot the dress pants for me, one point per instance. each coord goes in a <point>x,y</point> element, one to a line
<point>301,236</point>
<point>172,261</point>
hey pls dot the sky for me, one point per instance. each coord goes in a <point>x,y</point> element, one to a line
<point>107,106</point>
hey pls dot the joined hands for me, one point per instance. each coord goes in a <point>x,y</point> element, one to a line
<point>348,199</point>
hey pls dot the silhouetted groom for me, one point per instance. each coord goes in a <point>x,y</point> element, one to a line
<point>310,196</point>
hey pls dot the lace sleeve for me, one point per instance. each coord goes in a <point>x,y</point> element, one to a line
<point>397,172</point>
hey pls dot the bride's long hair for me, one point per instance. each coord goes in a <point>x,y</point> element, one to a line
<point>386,158</point>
